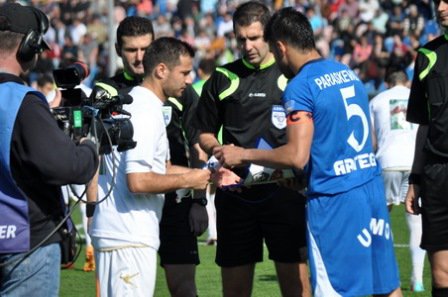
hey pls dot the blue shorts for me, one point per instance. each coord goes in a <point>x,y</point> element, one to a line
<point>350,243</point>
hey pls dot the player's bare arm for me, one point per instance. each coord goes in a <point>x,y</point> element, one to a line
<point>208,142</point>
<point>151,182</point>
<point>294,154</point>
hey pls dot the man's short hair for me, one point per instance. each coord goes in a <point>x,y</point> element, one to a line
<point>44,79</point>
<point>291,26</point>
<point>251,12</point>
<point>207,65</point>
<point>395,75</point>
<point>134,26</point>
<point>167,50</point>
<point>10,40</point>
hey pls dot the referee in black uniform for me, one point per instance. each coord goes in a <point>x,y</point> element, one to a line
<point>183,218</point>
<point>244,97</point>
<point>428,107</point>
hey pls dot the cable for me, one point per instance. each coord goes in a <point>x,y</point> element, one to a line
<point>114,165</point>
<point>78,197</point>
<point>56,229</point>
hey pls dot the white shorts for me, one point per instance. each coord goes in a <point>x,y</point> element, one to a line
<point>126,272</point>
<point>396,186</point>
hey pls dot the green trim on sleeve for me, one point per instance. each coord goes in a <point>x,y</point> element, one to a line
<point>432,57</point>
<point>234,83</point>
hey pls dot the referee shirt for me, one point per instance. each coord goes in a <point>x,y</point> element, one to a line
<point>428,101</point>
<point>246,102</point>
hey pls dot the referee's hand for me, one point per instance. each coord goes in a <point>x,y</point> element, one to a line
<point>412,199</point>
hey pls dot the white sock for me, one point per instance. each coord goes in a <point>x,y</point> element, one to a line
<point>211,211</point>
<point>417,254</point>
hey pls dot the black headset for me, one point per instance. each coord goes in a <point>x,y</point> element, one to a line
<point>33,42</point>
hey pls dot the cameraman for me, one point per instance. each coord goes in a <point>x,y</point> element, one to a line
<point>36,158</point>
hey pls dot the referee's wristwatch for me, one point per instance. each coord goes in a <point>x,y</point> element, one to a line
<point>201,201</point>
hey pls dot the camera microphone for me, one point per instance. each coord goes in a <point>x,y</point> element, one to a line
<point>125,98</point>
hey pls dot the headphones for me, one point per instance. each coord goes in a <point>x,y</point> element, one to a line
<point>33,42</point>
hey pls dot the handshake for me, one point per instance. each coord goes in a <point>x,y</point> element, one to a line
<point>256,175</point>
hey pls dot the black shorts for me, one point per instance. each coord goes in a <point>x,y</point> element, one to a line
<point>266,213</point>
<point>178,245</point>
<point>434,193</point>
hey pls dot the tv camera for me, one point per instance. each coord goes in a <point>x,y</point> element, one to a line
<point>101,114</point>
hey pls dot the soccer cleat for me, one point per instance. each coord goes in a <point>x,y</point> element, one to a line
<point>417,287</point>
<point>89,264</point>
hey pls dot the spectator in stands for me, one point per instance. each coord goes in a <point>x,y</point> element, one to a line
<point>396,21</point>
<point>413,22</point>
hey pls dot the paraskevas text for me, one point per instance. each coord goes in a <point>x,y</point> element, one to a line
<point>335,78</point>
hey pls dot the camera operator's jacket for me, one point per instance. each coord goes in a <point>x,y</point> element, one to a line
<point>36,158</point>
<point>14,221</point>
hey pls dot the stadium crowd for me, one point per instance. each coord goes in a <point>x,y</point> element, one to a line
<point>371,37</point>
<point>367,35</point>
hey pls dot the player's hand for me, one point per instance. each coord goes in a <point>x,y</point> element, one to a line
<point>224,178</point>
<point>198,219</point>
<point>229,155</point>
<point>412,199</point>
<point>199,178</point>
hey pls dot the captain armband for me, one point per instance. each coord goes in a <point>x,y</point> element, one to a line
<point>299,117</point>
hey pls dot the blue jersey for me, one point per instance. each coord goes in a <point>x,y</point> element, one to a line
<point>341,156</point>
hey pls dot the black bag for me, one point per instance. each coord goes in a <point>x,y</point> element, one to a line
<point>69,249</point>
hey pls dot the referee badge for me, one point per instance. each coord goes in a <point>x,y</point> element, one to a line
<point>167,112</point>
<point>278,116</point>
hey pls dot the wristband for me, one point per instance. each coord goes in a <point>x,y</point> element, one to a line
<point>90,210</point>
<point>414,179</point>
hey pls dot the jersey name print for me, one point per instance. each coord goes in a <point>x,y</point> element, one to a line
<point>335,78</point>
<point>341,154</point>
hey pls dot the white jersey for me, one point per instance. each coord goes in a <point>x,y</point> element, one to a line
<point>395,136</point>
<point>125,219</point>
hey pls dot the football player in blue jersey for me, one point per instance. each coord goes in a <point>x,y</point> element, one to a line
<point>349,233</point>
